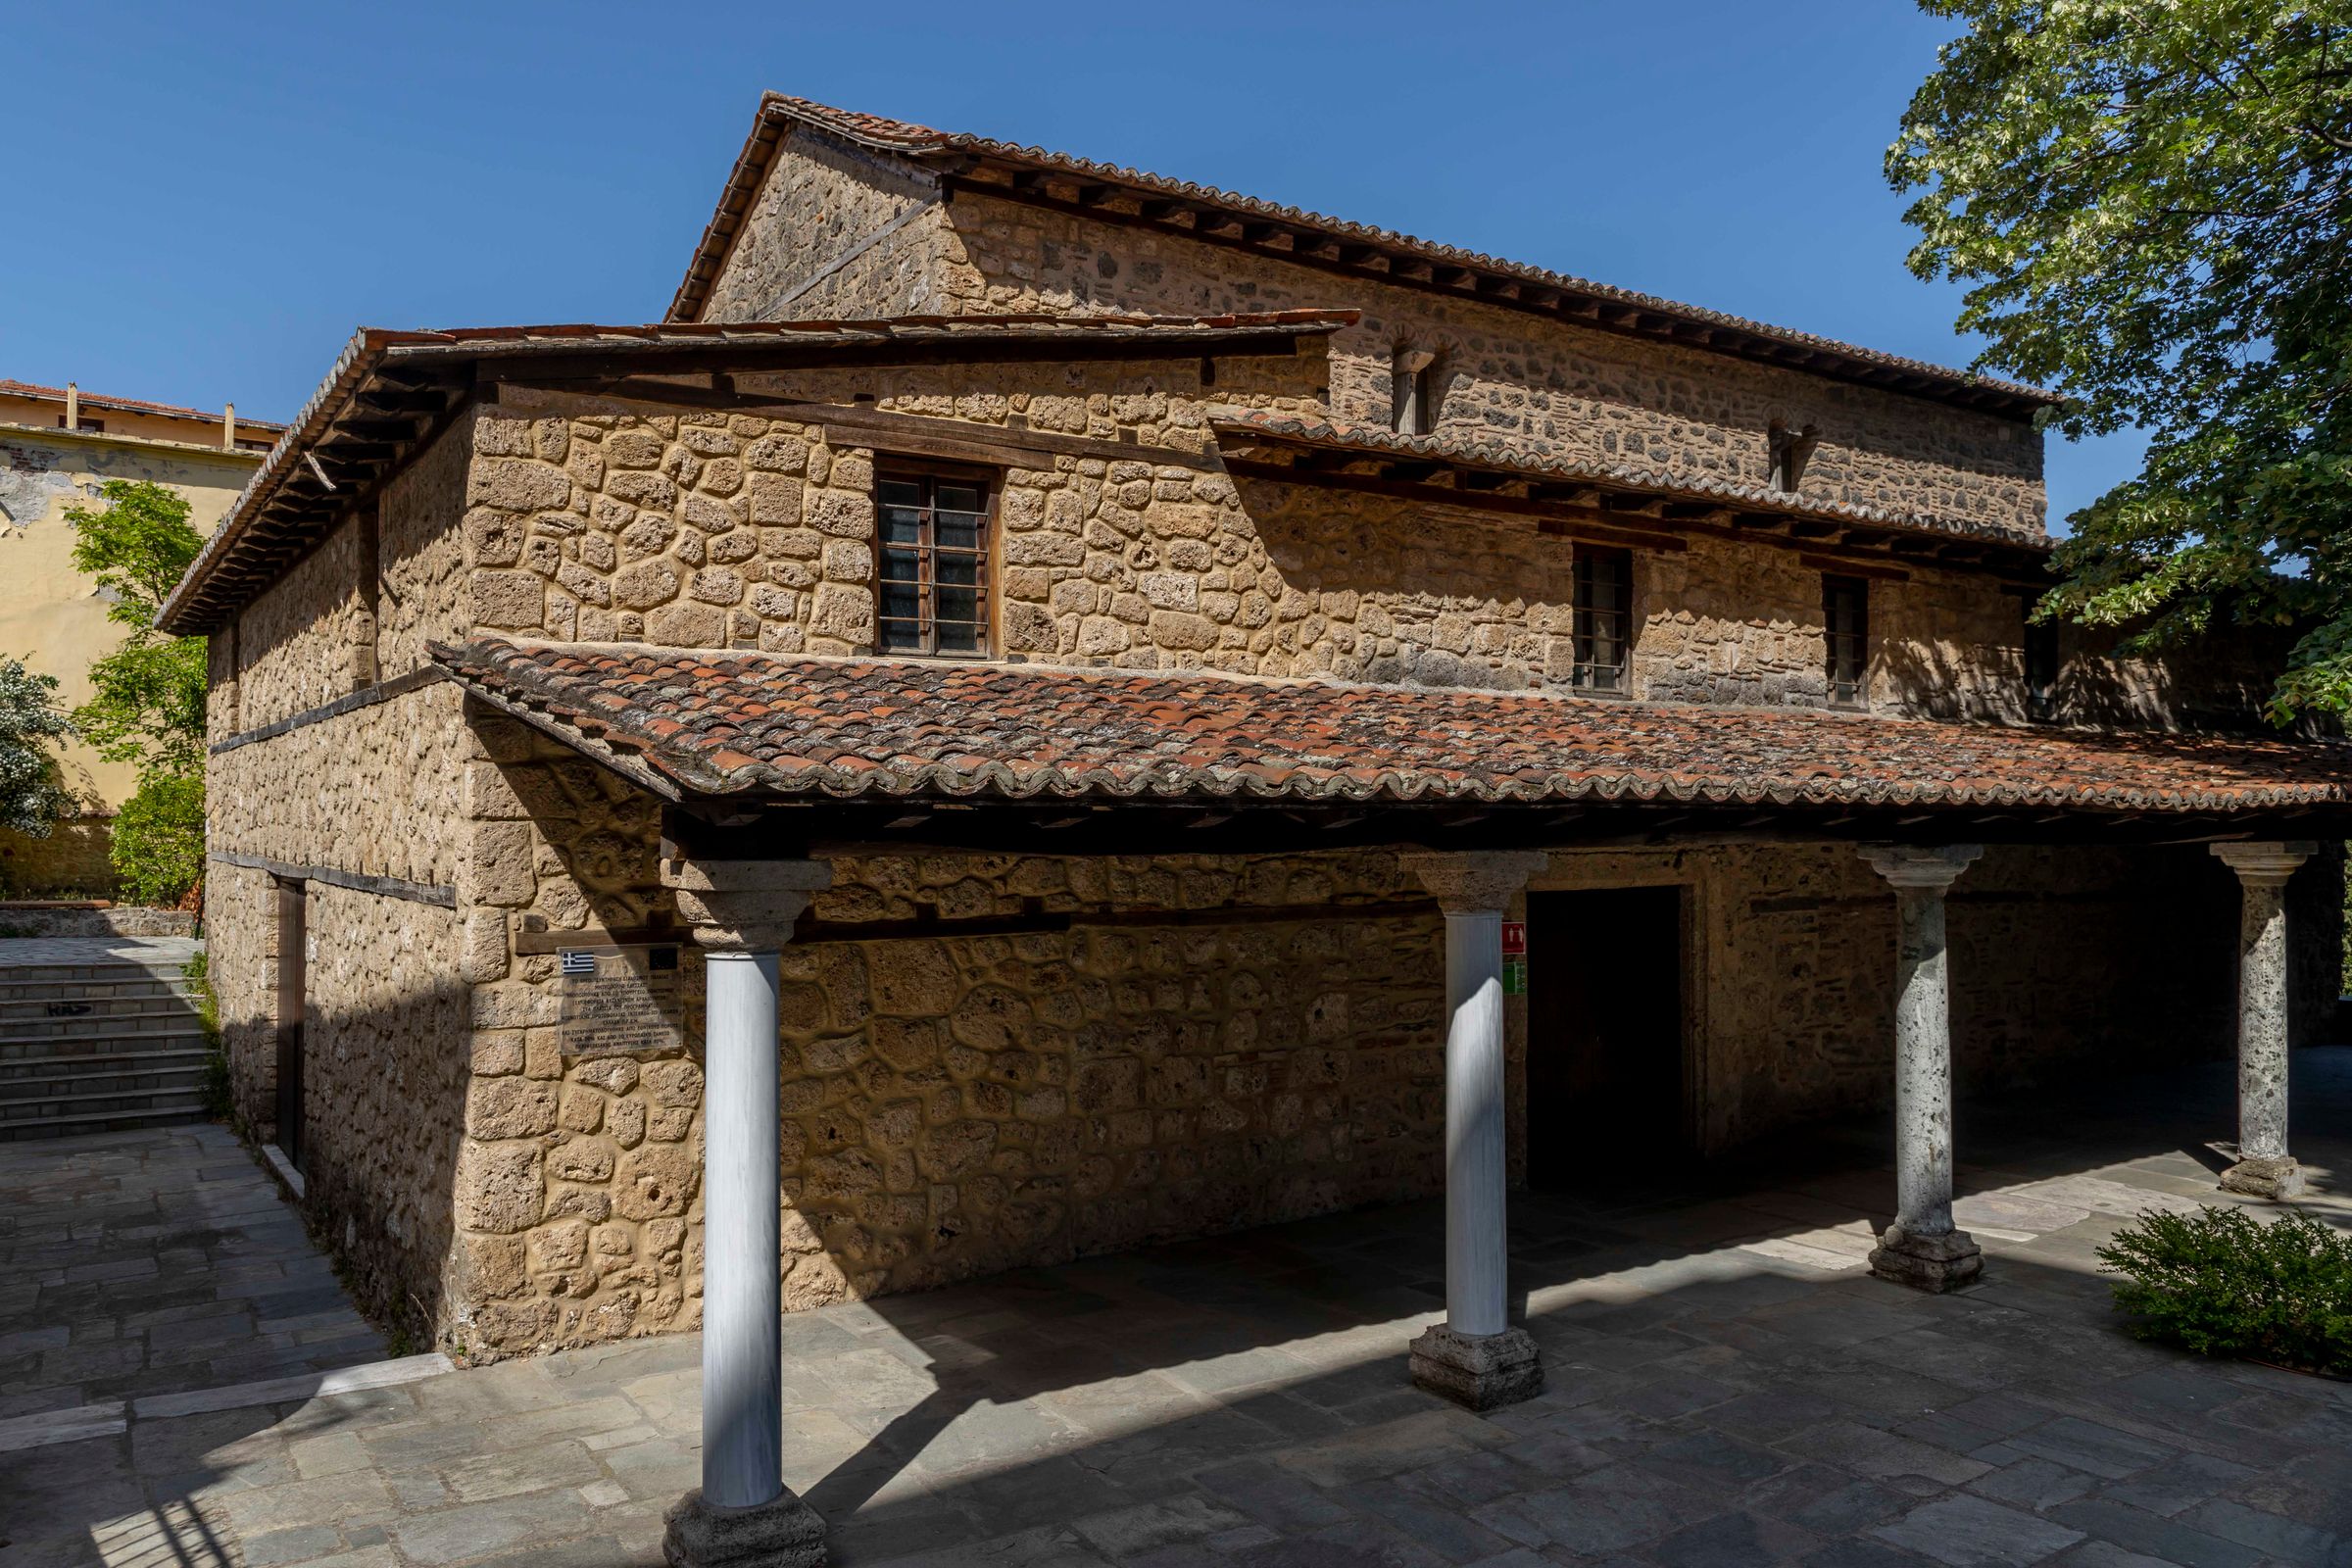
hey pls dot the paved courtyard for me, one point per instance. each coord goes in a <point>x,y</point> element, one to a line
<point>1727,1388</point>
<point>150,1262</point>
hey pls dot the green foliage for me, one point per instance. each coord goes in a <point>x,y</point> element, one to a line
<point>32,790</point>
<point>219,1101</point>
<point>2153,205</point>
<point>159,838</point>
<point>148,703</point>
<point>2221,1283</point>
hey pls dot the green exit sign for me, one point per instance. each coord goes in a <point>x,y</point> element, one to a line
<point>1514,977</point>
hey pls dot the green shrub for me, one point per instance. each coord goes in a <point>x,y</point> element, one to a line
<point>219,1099</point>
<point>2220,1281</point>
<point>158,839</point>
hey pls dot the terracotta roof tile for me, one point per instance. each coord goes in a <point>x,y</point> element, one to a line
<point>899,135</point>
<point>1237,426</point>
<point>103,399</point>
<point>907,727</point>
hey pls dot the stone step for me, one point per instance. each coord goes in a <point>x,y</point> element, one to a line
<point>144,1073</point>
<point>23,1031</point>
<point>43,974</point>
<point>16,1112</point>
<point>38,997</point>
<point>187,1033</point>
<point>83,1003</point>
<point>97,1122</point>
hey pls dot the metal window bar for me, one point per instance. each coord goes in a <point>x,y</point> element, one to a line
<point>932,579</point>
<point>1846,622</point>
<point>1602,621</point>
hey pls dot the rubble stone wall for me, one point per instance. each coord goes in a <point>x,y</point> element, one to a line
<point>819,242</point>
<point>708,529</point>
<point>1578,394</point>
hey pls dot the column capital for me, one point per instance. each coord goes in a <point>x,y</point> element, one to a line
<point>1920,866</point>
<point>743,905</point>
<point>1467,882</point>
<point>2264,864</point>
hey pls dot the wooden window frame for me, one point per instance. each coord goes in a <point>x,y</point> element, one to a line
<point>1840,647</point>
<point>930,475</point>
<point>1588,631</point>
<point>2043,663</point>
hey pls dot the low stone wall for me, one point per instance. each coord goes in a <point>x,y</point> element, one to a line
<point>18,919</point>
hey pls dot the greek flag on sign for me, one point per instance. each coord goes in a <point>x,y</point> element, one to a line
<point>574,961</point>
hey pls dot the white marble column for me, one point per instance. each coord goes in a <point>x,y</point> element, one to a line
<point>2264,1168</point>
<point>743,1516</point>
<point>1923,1247</point>
<point>1475,1357</point>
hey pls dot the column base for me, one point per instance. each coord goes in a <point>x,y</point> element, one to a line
<point>781,1532</point>
<point>1946,1262</point>
<point>1482,1371</point>
<point>2263,1177</point>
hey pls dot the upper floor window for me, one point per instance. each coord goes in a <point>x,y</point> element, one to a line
<point>83,422</point>
<point>1790,450</point>
<point>1845,627</point>
<point>933,562</point>
<point>1604,622</point>
<point>2041,664</point>
<point>1414,378</point>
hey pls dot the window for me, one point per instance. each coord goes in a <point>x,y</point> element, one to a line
<point>1414,376</point>
<point>1845,627</point>
<point>83,421</point>
<point>934,563</point>
<point>1791,450</point>
<point>1604,622</point>
<point>2041,664</point>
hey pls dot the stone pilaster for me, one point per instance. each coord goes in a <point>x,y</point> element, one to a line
<point>1476,1356</point>
<point>1923,1247</point>
<point>2264,1168</point>
<point>743,1515</point>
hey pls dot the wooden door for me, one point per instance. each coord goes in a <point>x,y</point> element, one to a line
<point>293,964</point>
<point>1605,1049</point>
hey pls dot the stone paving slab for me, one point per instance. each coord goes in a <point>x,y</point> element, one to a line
<point>1242,1402</point>
<point>156,1261</point>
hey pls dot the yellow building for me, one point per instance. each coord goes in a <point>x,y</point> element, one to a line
<point>57,446</point>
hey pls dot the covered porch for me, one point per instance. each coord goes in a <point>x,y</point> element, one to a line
<point>1726,1385</point>
<point>772,767</point>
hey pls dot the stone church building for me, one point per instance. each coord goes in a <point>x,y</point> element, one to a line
<point>1029,718</point>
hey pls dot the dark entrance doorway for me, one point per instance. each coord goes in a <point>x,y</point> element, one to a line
<point>293,964</point>
<point>1604,1045</point>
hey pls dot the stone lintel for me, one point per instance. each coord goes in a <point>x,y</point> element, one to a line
<point>781,1532</point>
<point>1927,1262</point>
<point>743,905</point>
<point>2263,1177</point>
<point>2264,864</point>
<point>1920,866</point>
<point>1474,881</point>
<point>1480,1371</point>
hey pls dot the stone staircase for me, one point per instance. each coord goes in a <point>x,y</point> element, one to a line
<point>89,1048</point>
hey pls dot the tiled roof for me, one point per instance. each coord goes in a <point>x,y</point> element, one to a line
<point>1691,323</point>
<point>716,722</point>
<point>1238,425</point>
<point>101,400</point>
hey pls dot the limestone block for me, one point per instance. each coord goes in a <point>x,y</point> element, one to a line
<point>488,1267</point>
<point>674,1083</point>
<point>509,1107</point>
<point>518,485</point>
<point>509,601</point>
<point>499,868</point>
<point>687,626</point>
<point>499,1186</point>
<point>655,1181</point>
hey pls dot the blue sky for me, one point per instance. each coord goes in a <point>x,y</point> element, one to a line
<point>210,198</point>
